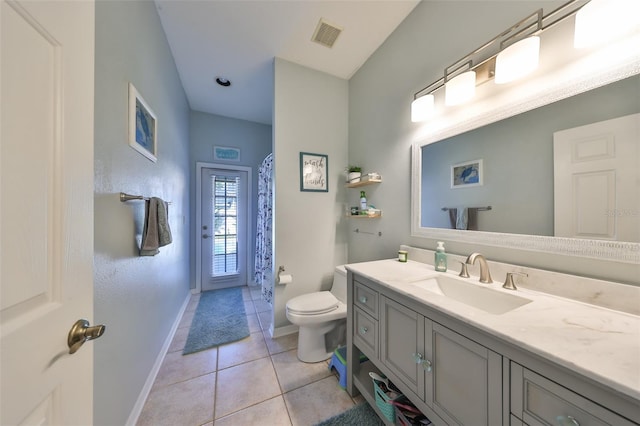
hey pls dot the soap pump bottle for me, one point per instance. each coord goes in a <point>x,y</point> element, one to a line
<point>440,258</point>
<point>363,203</point>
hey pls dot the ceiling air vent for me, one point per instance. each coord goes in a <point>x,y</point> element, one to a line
<point>326,34</point>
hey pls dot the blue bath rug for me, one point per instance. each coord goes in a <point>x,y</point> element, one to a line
<point>220,318</point>
<point>360,415</point>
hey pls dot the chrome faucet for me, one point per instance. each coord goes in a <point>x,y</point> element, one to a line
<point>485,275</point>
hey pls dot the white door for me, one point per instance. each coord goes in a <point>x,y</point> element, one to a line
<point>46,210</point>
<point>224,227</point>
<point>597,180</point>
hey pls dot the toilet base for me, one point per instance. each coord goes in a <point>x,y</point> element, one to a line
<point>311,347</point>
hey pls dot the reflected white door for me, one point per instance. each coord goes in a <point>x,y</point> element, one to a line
<point>46,210</point>
<point>224,227</point>
<point>597,180</point>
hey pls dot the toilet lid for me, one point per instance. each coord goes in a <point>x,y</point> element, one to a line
<point>313,303</point>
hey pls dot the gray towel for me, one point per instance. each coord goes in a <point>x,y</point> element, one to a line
<point>156,232</point>
<point>453,217</point>
<point>164,232</point>
<point>472,218</point>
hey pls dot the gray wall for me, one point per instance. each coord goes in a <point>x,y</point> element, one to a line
<point>254,141</point>
<point>518,162</point>
<point>434,35</point>
<point>310,115</point>
<point>138,298</point>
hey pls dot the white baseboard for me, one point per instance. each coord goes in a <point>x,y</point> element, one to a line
<point>144,393</point>
<point>283,331</point>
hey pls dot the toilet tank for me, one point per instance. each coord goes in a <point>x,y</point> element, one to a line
<point>339,288</point>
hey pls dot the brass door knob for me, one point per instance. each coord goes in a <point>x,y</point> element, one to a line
<point>80,332</point>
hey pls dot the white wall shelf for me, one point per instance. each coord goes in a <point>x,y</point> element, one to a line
<point>364,216</point>
<point>363,183</point>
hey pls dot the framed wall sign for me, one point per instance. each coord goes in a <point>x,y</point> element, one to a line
<point>313,172</point>
<point>143,126</point>
<point>226,153</point>
<point>467,174</point>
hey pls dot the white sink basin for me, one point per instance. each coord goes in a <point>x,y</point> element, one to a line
<point>483,298</point>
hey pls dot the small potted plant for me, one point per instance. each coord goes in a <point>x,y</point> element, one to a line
<point>354,174</point>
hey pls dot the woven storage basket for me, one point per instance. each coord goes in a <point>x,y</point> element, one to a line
<point>402,420</point>
<point>382,401</point>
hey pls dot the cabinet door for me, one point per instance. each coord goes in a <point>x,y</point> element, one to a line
<point>401,338</point>
<point>464,386</point>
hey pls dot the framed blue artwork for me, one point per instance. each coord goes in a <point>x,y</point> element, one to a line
<point>467,174</point>
<point>225,153</point>
<point>143,126</point>
<point>314,172</point>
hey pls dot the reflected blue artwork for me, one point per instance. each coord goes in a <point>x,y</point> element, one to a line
<point>466,174</point>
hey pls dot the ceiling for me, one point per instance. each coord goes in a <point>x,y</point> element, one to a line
<point>238,40</point>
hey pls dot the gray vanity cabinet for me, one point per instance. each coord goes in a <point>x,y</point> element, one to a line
<point>365,319</point>
<point>538,402</point>
<point>465,380</point>
<point>460,380</point>
<point>402,340</point>
<point>445,367</point>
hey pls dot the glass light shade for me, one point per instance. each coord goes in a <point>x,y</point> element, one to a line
<point>422,108</point>
<point>518,60</point>
<point>601,21</point>
<point>460,88</point>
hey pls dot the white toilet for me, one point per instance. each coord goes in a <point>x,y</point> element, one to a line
<point>316,314</point>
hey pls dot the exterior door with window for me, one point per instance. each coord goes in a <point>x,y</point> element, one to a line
<point>224,228</point>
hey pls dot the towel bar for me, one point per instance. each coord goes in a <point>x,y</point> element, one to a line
<point>480,209</point>
<point>128,197</point>
<point>358,231</point>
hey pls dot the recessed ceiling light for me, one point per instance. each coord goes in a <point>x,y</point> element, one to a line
<point>223,81</point>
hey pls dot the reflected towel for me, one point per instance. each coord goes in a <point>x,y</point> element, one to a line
<point>453,217</point>
<point>462,218</point>
<point>156,232</point>
<point>472,218</point>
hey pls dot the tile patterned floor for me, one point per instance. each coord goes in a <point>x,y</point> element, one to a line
<point>255,381</point>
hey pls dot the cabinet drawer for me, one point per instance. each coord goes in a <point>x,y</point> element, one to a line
<point>366,299</point>
<point>365,333</point>
<point>539,401</point>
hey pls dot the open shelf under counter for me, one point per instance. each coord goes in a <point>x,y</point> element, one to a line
<point>364,383</point>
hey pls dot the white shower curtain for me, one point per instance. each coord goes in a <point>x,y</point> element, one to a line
<point>263,261</point>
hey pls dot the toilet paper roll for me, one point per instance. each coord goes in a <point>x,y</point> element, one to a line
<point>285,279</point>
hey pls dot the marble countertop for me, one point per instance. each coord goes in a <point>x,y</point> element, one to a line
<point>596,342</point>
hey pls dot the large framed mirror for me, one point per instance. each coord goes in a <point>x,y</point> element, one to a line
<point>511,131</point>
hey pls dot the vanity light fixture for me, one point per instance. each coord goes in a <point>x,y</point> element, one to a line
<point>460,80</point>
<point>520,58</point>
<point>460,89</point>
<point>422,108</point>
<point>601,21</point>
<point>509,56</point>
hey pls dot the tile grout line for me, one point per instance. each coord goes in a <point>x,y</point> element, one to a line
<point>278,348</point>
